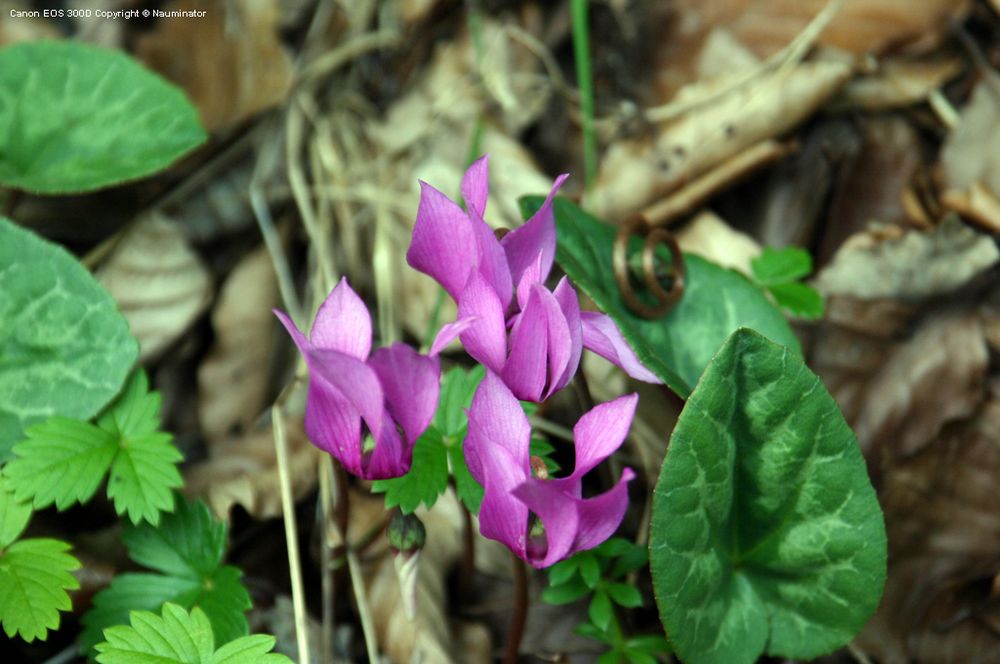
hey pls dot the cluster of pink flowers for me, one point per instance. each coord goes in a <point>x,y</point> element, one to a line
<point>528,337</point>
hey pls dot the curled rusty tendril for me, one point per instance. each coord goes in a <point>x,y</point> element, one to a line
<point>666,298</point>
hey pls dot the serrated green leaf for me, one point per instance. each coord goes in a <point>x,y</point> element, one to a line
<point>34,578</point>
<point>565,593</point>
<point>187,550</point>
<point>611,657</point>
<point>65,350</point>
<point>614,547</point>
<point>781,266</point>
<point>75,117</point>
<point>624,595</point>
<point>766,533</point>
<point>600,611</point>
<point>638,657</point>
<point>63,461</point>
<point>469,491</point>
<point>799,300</point>
<point>14,514</point>
<point>427,479</point>
<point>633,559</point>
<point>179,637</point>
<point>678,346</point>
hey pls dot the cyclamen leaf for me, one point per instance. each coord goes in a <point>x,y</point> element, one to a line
<point>426,480</point>
<point>65,350</point>
<point>678,346</point>
<point>76,118</point>
<point>187,550</point>
<point>766,533</point>
<point>63,461</point>
<point>34,578</point>
<point>179,637</point>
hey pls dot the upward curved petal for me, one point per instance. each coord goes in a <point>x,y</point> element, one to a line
<point>411,383</point>
<point>475,186</point>
<point>497,453</point>
<point>569,303</point>
<point>444,244</point>
<point>601,431</point>
<point>526,370</point>
<point>601,335</point>
<point>485,338</point>
<point>536,237</point>
<point>343,323</point>
<point>333,424</point>
<point>600,516</point>
<point>391,457</point>
<point>558,513</point>
<point>354,380</point>
<point>496,419</point>
<point>449,332</point>
<point>492,260</point>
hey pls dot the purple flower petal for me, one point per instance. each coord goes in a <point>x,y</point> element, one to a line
<point>444,244</point>
<point>569,303</point>
<point>600,516</point>
<point>391,457</point>
<point>525,372</point>
<point>333,424</point>
<point>449,332</point>
<point>531,276</point>
<point>536,237</point>
<point>558,513</point>
<point>411,383</point>
<point>497,453</point>
<point>601,431</point>
<point>354,380</point>
<point>475,186</point>
<point>492,260</point>
<point>486,338</point>
<point>601,335</point>
<point>342,323</point>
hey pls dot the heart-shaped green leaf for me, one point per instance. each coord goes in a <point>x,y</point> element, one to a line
<point>75,117</point>
<point>766,533</point>
<point>676,347</point>
<point>64,348</point>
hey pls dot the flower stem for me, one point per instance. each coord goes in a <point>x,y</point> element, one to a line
<point>584,80</point>
<point>520,614</point>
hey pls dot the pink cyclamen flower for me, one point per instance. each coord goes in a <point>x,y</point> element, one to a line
<point>394,392</point>
<point>547,330</point>
<point>497,453</point>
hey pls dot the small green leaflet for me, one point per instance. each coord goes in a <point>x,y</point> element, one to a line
<point>179,637</point>
<point>75,117</point>
<point>439,447</point>
<point>678,346</point>
<point>63,461</point>
<point>778,271</point>
<point>186,551</point>
<point>34,574</point>
<point>64,348</point>
<point>766,534</point>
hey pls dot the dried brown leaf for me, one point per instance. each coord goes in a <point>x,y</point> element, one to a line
<point>709,236</point>
<point>233,378</point>
<point>897,83</point>
<point>936,377</point>
<point>970,153</point>
<point>861,26</point>
<point>230,61</point>
<point>243,471</point>
<point>158,281</point>
<point>635,172</point>
<point>978,203</point>
<point>887,262</point>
